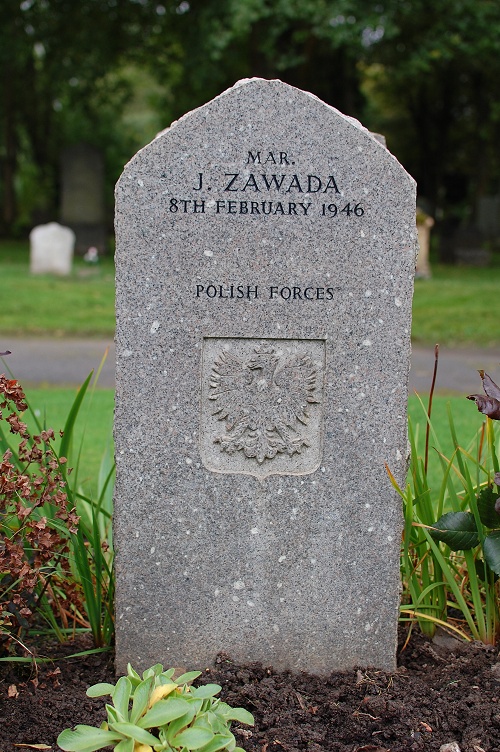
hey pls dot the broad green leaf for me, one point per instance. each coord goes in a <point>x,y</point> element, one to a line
<point>193,738</point>
<point>163,712</point>
<point>113,715</point>
<point>180,723</point>
<point>86,739</point>
<point>220,741</point>
<point>141,698</point>
<point>121,696</point>
<point>155,670</point>
<point>456,529</point>
<point>203,721</point>
<point>189,676</point>
<point>99,690</point>
<point>491,551</point>
<point>126,745</point>
<point>208,690</point>
<point>486,507</point>
<point>239,714</point>
<point>168,674</point>
<point>217,721</point>
<point>135,732</point>
<point>131,672</point>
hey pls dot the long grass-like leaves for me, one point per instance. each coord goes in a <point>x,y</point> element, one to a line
<point>430,569</point>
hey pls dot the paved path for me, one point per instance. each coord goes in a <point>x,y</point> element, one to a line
<point>67,362</point>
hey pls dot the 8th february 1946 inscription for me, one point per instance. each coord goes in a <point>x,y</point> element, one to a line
<point>262,405</point>
<point>262,192</point>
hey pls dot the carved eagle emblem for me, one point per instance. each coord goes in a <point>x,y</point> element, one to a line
<point>264,401</point>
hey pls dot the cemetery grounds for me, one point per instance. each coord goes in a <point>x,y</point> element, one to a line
<point>444,690</point>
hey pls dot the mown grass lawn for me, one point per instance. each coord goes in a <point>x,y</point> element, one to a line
<point>81,305</point>
<point>458,307</point>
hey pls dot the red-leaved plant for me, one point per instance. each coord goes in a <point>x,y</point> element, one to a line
<point>36,520</point>
<point>489,402</point>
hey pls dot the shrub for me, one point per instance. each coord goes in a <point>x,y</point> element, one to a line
<point>36,521</point>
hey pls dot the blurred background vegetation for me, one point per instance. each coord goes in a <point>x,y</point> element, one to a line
<point>112,73</point>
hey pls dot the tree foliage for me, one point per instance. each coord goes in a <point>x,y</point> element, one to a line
<point>423,73</point>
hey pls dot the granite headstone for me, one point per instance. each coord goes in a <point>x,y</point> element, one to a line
<point>265,257</point>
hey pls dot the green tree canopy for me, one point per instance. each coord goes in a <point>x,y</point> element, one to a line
<point>422,72</point>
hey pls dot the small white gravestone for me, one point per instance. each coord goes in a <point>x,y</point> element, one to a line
<point>51,249</point>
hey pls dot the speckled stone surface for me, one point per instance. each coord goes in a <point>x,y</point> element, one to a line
<point>265,258</point>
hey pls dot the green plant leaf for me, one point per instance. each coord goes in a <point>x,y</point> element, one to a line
<point>220,741</point>
<point>86,739</point>
<point>113,715</point>
<point>142,694</point>
<point>131,672</point>
<point>239,714</point>
<point>189,676</point>
<point>121,696</point>
<point>175,726</point>
<point>99,690</point>
<point>155,670</point>
<point>491,551</point>
<point>163,712</point>
<point>133,676</point>
<point>125,745</point>
<point>456,529</point>
<point>72,415</point>
<point>135,732</point>
<point>216,719</point>
<point>207,690</point>
<point>486,507</point>
<point>193,738</point>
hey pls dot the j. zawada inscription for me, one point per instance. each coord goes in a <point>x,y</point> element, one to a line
<point>271,292</point>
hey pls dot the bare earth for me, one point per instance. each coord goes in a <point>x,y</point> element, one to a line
<point>442,692</point>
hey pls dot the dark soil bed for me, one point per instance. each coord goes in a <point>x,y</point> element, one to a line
<point>442,692</point>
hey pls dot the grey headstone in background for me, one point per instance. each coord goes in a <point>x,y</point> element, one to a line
<point>51,249</point>
<point>265,258</point>
<point>82,195</point>
<point>488,216</point>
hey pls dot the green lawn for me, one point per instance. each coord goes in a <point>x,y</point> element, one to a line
<point>459,306</point>
<point>81,305</point>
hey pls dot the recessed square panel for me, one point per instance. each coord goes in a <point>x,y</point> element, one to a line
<point>262,405</point>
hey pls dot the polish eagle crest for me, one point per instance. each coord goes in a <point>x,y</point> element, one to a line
<point>265,401</point>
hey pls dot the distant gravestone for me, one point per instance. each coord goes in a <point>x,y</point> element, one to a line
<point>265,259</point>
<point>51,249</point>
<point>488,217</point>
<point>424,225</point>
<point>82,195</point>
